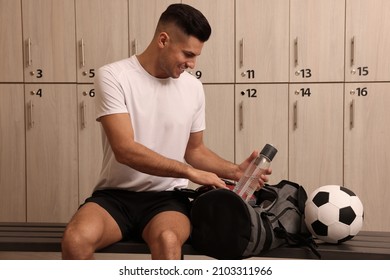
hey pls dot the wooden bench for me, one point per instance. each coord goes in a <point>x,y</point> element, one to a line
<point>46,237</point>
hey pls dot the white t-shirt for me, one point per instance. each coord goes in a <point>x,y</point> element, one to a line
<point>163,113</point>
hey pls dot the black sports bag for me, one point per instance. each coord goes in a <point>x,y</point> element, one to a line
<point>224,226</point>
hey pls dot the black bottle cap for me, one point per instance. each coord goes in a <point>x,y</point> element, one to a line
<point>269,151</point>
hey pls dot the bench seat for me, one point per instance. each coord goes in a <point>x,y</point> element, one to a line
<point>46,237</point>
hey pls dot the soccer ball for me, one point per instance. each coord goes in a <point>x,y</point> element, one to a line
<point>333,214</point>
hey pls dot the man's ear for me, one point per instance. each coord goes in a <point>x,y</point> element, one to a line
<point>163,38</point>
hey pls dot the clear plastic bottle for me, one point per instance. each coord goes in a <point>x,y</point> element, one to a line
<point>248,183</point>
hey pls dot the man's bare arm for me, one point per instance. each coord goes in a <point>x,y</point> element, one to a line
<point>120,134</point>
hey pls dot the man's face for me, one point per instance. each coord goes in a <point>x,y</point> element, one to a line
<point>179,53</point>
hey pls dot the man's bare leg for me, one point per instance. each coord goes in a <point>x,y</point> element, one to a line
<point>91,228</point>
<point>166,233</point>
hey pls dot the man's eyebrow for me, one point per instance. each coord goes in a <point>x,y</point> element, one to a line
<point>189,53</point>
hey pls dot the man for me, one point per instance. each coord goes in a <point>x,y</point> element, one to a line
<point>152,113</point>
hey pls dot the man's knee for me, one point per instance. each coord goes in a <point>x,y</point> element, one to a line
<point>76,245</point>
<point>167,245</point>
<point>169,239</point>
<point>91,228</point>
<point>166,233</point>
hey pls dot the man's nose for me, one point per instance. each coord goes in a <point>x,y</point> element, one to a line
<point>190,64</point>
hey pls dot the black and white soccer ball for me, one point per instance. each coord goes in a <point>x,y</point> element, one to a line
<point>333,214</point>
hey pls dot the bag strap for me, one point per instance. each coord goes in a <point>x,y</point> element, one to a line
<point>194,193</point>
<point>297,239</point>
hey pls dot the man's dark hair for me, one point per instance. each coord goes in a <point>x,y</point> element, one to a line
<point>190,20</point>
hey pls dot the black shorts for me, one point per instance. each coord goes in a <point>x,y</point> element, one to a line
<point>133,210</point>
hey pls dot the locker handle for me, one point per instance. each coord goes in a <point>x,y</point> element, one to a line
<point>295,115</point>
<point>30,114</point>
<point>296,52</point>
<point>29,58</point>
<point>241,52</point>
<point>351,114</point>
<point>353,51</point>
<point>83,111</point>
<point>82,53</point>
<point>134,46</point>
<point>241,115</point>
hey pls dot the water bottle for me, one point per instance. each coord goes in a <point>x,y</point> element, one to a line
<point>248,183</point>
